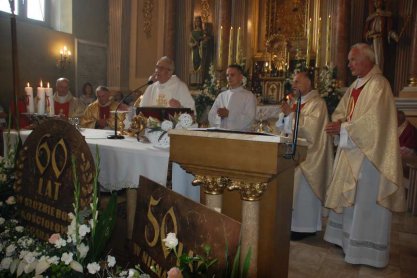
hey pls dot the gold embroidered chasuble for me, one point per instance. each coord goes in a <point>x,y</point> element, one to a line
<point>373,129</point>
<point>319,161</point>
<point>92,115</point>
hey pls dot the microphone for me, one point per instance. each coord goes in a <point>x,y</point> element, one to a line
<point>115,135</point>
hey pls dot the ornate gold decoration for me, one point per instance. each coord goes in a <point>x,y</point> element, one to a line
<point>286,17</point>
<point>412,82</point>
<point>205,10</point>
<point>137,125</point>
<point>249,191</point>
<point>212,185</point>
<point>147,17</point>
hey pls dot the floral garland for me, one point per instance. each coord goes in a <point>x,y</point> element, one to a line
<point>327,87</point>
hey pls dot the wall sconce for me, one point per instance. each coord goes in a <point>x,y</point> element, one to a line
<point>64,58</point>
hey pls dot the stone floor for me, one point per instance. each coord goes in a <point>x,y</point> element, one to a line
<point>313,257</point>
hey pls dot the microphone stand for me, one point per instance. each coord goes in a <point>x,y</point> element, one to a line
<point>115,135</point>
<point>295,132</point>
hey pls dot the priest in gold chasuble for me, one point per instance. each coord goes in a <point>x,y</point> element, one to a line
<point>312,177</point>
<point>97,114</point>
<point>366,185</point>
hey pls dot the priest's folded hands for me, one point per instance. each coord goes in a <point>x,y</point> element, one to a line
<point>333,128</point>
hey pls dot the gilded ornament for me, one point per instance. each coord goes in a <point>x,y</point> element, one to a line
<point>147,17</point>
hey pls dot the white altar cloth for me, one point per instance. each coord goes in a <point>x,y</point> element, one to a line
<point>121,161</point>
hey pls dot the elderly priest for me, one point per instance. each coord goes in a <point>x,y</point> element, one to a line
<point>168,90</point>
<point>98,114</point>
<point>367,184</point>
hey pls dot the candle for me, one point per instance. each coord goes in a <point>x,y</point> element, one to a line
<point>230,58</point>
<point>220,50</point>
<point>318,44</point>
<point>238,47</point>
<point>30,105</point>
<point>40,97</point>
<point>328,43</point>
<point>309,33</point>
<point>49,101</point>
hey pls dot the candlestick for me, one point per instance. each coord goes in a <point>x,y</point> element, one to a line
<point>40,97</point>
<point>309,34</point>
<point>238,48</point>
<point>230,57</point>
<point>328,42</point>
<point>30,105</point>
<point>220,50</point>
<point>318,44</point>
<point>49,101</point>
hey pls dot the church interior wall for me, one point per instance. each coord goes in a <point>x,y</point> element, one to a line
<point>38,46</point>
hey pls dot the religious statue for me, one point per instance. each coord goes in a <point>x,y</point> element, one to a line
<point>378,27</point>
<point>199,43</point>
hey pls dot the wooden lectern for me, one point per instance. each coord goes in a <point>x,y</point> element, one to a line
<point>251,168</point>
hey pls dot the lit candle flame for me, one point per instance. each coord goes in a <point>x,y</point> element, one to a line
<point>48,85</point>
<point>28,85</point>
<point>41,84</point>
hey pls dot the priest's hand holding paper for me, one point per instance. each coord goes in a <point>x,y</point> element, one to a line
<point>333,128</point>
<point>285,108</point>
<point>223,112</point>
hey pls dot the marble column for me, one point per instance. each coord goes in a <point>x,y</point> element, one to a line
<point>412,80</point>
<point>342,39</point>
<point>250,235</point>
<point>170,34</point>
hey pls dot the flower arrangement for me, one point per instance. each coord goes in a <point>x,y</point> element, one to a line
<point>157,131</point>
<point>208,94</point>
<point>327,87</point>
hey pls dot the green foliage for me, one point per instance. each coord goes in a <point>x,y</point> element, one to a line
<point>207,95</point>
<point>327,87</point>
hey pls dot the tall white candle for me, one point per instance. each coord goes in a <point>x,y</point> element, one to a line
<point>238,47</point>
<point>30,105</point>
<point>328,41</point>
<point>230,57</point>
<point>220,50</point>
<point>49,98</point>
<point>40,97</point>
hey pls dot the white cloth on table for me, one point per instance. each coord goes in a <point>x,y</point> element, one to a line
<point>181,183</point>
<point>241,104</point>
<point>306,214</point>
<point>159,94</point>
<point>363,231</point>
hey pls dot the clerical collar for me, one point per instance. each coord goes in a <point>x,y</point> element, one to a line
<point>236,89</point>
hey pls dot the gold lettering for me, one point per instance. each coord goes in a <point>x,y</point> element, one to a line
<point>45,148</point>
<point>154,222</point>
<point>170,213</point>
<point>40,185</point>
<point>136,249</point>
<point>48,191</point>
<point>55,166</point>
<point>57,186</point>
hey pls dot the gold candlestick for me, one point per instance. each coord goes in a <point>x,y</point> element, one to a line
<point>230,58</point>
<point>318,44</point>
<point>328,42</point>
<point>308,52</point>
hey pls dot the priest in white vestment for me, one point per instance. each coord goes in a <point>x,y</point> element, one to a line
<point>366,185</point>
<point>235,108</point>
<point>167,90</point>
<point>312,176</point>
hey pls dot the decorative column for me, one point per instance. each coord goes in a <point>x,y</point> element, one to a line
<point>213,188</point>
<point>342,39</point>
<point>182,59</point>
<point>115,42</point>
<point>412,80</point>
<point>169,43</point>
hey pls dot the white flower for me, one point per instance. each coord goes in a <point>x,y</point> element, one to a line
<point>60,243</point>
<point>123,273</point>
<point>29,257</point>
<point>83,230</point>
<point>71,216</point>
<point>93,268</point>
<point>76,266</point>
<point>10,250</point>
<point>5,263</point>
<point>185,120</point>
<point>133,273</point>
<point>11,200</point>
<point>167,125</point>
<point>83,250</point>
<point>171,241</point>
<point>19,229</point>
<point>53,260</point>
<point>111,261</point>
<point>2,220</point>
<point>42,265</point>
<point>67,258</point>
